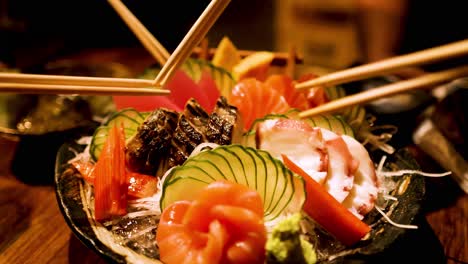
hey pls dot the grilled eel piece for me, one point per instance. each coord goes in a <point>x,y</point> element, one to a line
<point>190,132</point>
<point>152,141</point>
<point>165,140</point>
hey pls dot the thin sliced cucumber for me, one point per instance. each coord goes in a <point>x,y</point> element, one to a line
<point>334,123</point>
<point>281,190</point>
<point>129,118</point>
<point>353,115</point>
<point>211,163</point>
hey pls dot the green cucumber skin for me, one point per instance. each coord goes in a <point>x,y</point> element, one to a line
<point>129,118</point>
<point>265,174</point>
<point>331,122</point>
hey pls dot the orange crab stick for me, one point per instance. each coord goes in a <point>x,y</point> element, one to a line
<point>110,183</point>
<point>327,211</point>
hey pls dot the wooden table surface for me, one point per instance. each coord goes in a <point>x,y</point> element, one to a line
<point>32,229</point>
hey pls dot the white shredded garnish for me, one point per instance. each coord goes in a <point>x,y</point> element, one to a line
<point>381,164</point>
<point>403,172</point>
<point>84,140</point>
<point>389,197</point>
<point>393,223</point>
<point>201,147</point>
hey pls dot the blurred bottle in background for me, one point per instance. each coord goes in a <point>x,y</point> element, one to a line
<point>323,31</point>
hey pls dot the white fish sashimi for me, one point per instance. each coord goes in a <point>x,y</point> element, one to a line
<point>297,140</point>
<point>341,166</point>
<point>362,197</point>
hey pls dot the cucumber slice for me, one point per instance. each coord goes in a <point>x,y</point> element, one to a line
<point>354,115</point>
<point>334,123</point>
<point>282,191</point>
<point>129,118</point>
<point>211,163</point>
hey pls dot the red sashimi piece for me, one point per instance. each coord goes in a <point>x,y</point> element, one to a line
<point>208,85</point>
<point>255,100</point>
<point>223,225</point>
<point>145,103</point>
<point>285,86</point>
<point>183,88</point>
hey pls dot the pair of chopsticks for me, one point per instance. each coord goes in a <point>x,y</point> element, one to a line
<point>55,84</point>
<point>191,40</point>
<point>384,67</point>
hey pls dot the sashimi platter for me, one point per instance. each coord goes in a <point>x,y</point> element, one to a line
<point>224,170</point>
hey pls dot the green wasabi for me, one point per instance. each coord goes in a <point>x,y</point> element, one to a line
<point>285,245</point>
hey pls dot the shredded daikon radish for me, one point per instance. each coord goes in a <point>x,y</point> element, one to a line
<point>201,147</point>
<point>393,223</point>
<point>418,172</point>
<point>389,197</point>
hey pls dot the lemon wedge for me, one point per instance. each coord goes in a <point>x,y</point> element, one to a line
<point>226,55</point>
<point>255,65</point>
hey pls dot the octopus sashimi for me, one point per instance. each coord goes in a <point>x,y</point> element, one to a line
<point>223,225</point>
<point>362,196</point>
<point>303,144</point>
<point>341,166</point>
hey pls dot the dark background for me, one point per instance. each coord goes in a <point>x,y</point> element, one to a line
<point>46,27</point>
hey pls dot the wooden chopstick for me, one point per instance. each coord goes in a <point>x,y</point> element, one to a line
<point>74,80</point>
<point>32,88</point>
<point>146,38</point>
<point>191,40</point>
<point>388,65</point>
<point>279,59</point>
<point>388,90</point>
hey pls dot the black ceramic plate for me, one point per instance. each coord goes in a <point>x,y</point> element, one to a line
<point>387,243</point>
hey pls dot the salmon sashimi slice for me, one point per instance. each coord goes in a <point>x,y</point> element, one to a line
<point>255,100</point>
<point>285,86</point>
<point>223,225</point>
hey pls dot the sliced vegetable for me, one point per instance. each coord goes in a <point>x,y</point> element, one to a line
<point>328,212</point>
<point>333,123</point>
<point>110,183</point>
<point>129,118</point>
<point>281,190</point>
<point>222,224</point>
